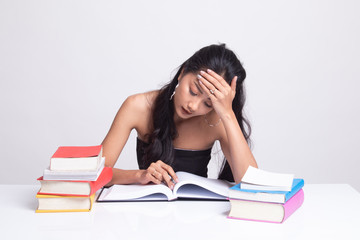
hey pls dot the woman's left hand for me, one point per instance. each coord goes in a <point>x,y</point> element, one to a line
<point>219,91</point>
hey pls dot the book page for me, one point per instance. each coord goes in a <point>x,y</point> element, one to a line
<point>136,192</point>
<point>261,177</point>
<point>193,186</point>
<point>189,186</point>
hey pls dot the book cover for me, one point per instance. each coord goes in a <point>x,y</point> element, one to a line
<point>55,203</point>
<point>77,187</point>
<point>77,151</point>
<point>266,196</point>
<point>264,211</point>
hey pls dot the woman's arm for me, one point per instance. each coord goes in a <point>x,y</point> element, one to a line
<point>133,114</point>
<point>235,147</point>
<point>125,120</point>
<point>232,140</point>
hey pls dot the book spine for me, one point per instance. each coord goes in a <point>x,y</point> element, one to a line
<point>293,204</point>
<point>294,190</point>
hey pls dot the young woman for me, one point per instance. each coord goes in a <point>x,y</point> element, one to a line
<point>178,124</point>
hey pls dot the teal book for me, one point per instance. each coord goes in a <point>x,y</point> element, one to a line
<point>236,192</point>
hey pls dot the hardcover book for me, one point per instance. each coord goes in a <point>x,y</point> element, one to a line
<point>54,203</point>
<point>71,158</point>
<point>266,196</point>
<point>265,211</point>
<point>80,188</point>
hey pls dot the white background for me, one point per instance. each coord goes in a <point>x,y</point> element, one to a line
<point>66,67</point>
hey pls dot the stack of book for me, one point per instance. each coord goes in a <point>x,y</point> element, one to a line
<point>266,196</point>
<point>70,182</point>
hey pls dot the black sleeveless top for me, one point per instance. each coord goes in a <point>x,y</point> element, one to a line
<point>192,161</point>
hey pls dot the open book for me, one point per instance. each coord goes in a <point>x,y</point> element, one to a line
<point>257,179</point>
<point>190,186</point>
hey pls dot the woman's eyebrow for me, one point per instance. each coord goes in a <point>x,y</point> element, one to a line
<point>198,87</point>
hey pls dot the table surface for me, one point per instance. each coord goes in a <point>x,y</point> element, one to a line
<point>330,211</point>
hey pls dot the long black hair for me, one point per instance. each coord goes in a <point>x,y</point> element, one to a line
<point>215,57</point>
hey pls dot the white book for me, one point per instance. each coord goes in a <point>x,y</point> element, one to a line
<point>189,186</point>
<point>257,179</point>
<point>74,175</point>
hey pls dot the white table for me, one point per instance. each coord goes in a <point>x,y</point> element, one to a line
<point>330,211</point>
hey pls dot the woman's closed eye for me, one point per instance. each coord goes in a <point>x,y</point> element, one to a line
<point>192,92</point>
<point>208,104</point>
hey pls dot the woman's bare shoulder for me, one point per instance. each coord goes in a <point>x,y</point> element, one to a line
<point>137,110</point>
<point>141,102</point>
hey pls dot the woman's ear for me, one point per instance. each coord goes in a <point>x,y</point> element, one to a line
<point>181,75</point>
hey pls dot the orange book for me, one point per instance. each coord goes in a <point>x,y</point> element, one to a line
<point>74,188</point>
<point>76,158</point>
<point>54,203</point>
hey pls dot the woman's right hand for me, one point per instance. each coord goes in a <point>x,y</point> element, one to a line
<point>157,173</point>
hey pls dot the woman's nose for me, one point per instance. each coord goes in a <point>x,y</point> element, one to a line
<point>193,106</point>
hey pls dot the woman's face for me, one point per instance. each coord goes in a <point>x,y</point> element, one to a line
<point>189,99</point>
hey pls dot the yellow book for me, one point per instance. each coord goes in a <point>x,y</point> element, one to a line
<point>56,203</point>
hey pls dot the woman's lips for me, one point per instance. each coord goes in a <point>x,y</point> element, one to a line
<point>185,111</point>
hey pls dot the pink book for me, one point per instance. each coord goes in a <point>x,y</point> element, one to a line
<point>265,211</point>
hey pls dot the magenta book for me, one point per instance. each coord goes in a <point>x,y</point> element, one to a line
<point>265,211</point>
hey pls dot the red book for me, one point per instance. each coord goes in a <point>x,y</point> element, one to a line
<point>77,151</point>
<point>76,158</point>
<point>75,188</point>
